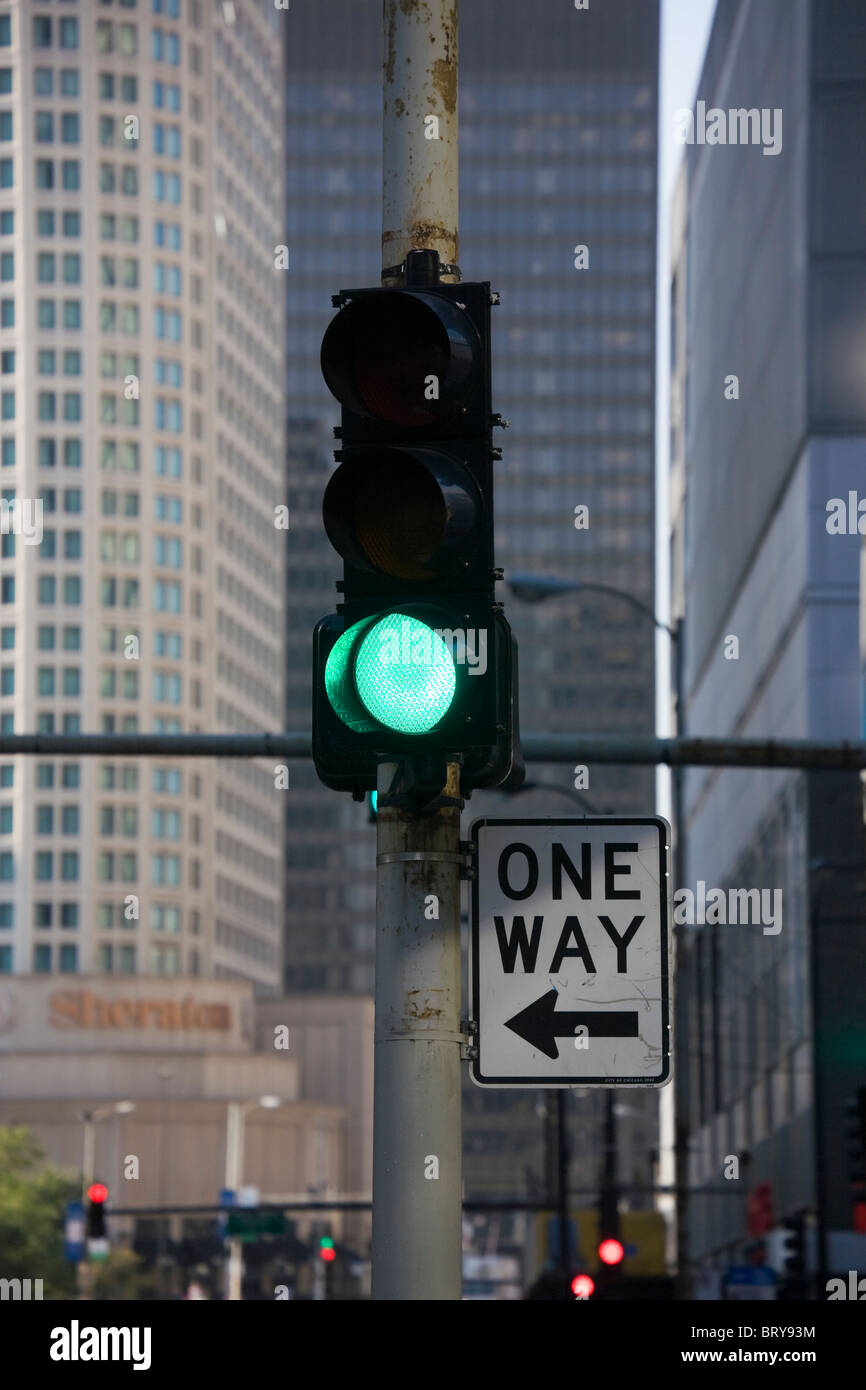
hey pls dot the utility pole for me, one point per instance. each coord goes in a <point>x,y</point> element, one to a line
<point>419,134</point>
<point>417,1184</point>
<point>681,1077</point>
<point>234,1161</point>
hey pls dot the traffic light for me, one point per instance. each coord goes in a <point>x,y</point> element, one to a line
<point>418,660</point>
<point>855,1130</point>
<point>326,1249</point>
<point>611,1251</point>
<point>792,1272</point>
<point>583,1286</point>
<point>97,1234</point>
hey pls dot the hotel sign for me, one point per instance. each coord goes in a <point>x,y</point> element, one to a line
<point>51,1013</point>
<point>82,1008</point>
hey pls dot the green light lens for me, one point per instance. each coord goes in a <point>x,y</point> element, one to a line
<point>339,686</point>
<point>404,674</point>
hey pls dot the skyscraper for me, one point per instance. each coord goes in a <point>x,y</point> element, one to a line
<point>769,292</point>
<point>142,382</point>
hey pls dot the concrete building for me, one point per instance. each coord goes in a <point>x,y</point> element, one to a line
<point>141,403</point>
<point>769,425</point>
<point>155,1065</point>
<point>557,149</point>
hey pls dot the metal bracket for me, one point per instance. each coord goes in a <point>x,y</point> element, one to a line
<point>469,1046</point>
<point>469,869</point>
<point>398,272</point>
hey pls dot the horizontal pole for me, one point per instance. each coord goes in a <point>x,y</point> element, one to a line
<point>694,752</point>
<point>548,748</point>
<point>472,1204</point>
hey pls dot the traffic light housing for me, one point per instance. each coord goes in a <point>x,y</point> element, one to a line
<point>327,1251</point>
<point>418,660</point>
<point>855,1132</point>
<point>97,1195</point>
<point>792,1272</point>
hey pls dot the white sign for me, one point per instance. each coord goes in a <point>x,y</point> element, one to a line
<point>570,952</point>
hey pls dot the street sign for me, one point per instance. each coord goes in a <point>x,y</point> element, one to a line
<point>248,1222</point>
<point>570,952</point>
<point>74,1232</point>
<point>749,1282</point>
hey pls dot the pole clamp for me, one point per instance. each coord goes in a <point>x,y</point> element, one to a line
<point>435,856</point>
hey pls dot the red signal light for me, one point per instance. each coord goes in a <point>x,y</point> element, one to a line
<point>328,1253</point>
<point>582,1286</point>
<point>611,1252</point>
<point>97,1192</point>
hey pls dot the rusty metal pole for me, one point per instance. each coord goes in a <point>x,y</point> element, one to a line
<point>417,1183</point>
<point>417,1186</point>
<point>419,133</point>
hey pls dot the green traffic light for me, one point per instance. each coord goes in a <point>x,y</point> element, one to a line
<point>395,672</point>
<point>405,674</point>
<point>326,1243</point>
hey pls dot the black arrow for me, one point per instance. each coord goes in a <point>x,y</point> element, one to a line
<point>540,1026</point>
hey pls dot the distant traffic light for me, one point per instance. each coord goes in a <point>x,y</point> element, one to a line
<point>792,1272</point>
<point>855,1132</point>
<point>326,1249</point>
<point>97,1234</point>
<point>611,1251</point>
<point>582,1286</point>
<point>418,659</point>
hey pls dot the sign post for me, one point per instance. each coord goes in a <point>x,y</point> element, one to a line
<point>570,952</point>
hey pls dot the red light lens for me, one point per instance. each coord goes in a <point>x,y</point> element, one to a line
<point>582,1286</point>
<point>97,1192</point>
<point>610,1252</point>
<point>328,1254</point>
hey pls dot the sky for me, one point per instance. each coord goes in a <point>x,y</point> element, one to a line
<point>685,30</point>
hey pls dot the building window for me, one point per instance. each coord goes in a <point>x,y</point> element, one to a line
<point>41,31</point>
<point>69,33</point>
<point>68,960</point>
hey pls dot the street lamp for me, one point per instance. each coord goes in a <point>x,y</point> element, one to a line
<point>90,1119</point>
<point>236,1115</point>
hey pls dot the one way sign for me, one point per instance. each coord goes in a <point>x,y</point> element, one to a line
<point>570,952</point>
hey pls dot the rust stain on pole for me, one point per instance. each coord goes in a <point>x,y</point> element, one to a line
<point>419,139</point>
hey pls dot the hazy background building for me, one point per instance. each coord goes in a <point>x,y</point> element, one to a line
<point>142,378</point>
<point>557,149</point>
<point>769,284</point>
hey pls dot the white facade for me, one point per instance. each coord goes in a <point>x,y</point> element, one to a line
<point>141,399</point>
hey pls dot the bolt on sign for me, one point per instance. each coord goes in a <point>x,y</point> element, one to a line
<point>571,941</point>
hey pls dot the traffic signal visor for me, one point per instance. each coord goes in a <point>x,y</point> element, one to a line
<point>400,357</point>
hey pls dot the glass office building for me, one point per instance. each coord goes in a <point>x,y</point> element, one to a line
<point>770,1016</point>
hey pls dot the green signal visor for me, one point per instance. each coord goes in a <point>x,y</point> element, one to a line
<point>393,672</point>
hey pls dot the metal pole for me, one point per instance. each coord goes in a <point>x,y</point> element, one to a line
<point>234,1164</point>
<point>681,1130</point>
<point>88,1154</point>
<point>419,133</point>
<point>417,1189</point>
<point>822,1252</point>
<point>562,1156</point>
<point>623,749</point>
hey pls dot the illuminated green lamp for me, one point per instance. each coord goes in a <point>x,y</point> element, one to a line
<point>393,672</point>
